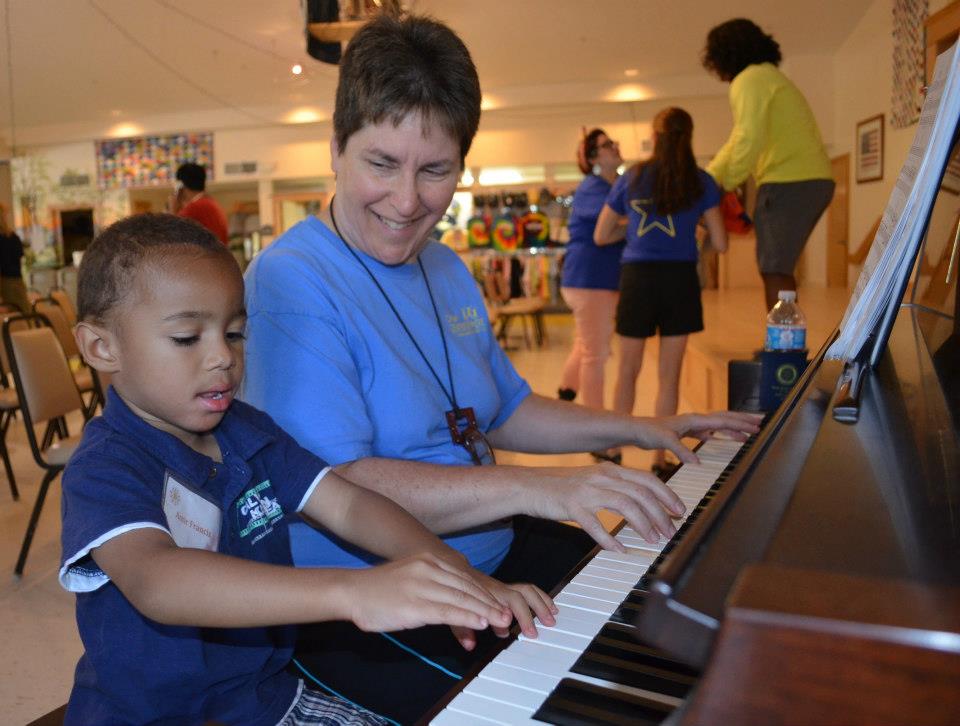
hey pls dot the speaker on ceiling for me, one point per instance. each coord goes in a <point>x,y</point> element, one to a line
<point>323,11</point>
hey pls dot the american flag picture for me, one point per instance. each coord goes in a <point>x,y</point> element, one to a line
<point>869,149</point>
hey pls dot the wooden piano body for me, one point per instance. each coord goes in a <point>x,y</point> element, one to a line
<point>825,588</point>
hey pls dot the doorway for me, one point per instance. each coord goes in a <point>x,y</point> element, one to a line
<point>76,231</point>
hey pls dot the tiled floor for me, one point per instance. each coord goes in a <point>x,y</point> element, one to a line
<point>40,643</point>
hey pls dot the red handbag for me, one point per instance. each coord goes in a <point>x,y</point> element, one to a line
<point>735,217</point>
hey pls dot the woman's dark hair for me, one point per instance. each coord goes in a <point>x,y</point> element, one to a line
<point>676,182</point>
<point>587,150</point>
<point>736,44</point>
<point>394,67</point>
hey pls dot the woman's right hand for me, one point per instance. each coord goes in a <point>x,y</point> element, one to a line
<point>577,494</point>
<point>423,589</point>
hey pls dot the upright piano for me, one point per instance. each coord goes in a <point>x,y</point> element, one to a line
<point>817,583</point>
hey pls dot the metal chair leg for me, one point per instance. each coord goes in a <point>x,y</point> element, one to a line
<point>34,518</point>
<point>9,468</point>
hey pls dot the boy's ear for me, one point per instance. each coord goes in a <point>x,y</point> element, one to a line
<point>98,346</point>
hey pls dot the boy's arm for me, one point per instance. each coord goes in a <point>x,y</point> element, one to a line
<point>182,586</point>
<point>379,525</point>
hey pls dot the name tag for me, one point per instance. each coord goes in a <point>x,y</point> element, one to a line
<point>193,520</point>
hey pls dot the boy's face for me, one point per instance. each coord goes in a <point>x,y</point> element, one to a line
<point>179,342</point>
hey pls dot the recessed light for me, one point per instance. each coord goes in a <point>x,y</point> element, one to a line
<point>631,72</point>
<point>297,69</point>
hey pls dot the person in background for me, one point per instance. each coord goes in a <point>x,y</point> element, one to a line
<point>12,289</point>
<point>369,342</point>
<point>775,138</point>
<point>175,504</point>
<point>591,275</point>
<point>190,200</point>
<point>662,200</point>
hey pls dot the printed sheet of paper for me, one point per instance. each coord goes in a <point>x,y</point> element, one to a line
<point>899,235</point>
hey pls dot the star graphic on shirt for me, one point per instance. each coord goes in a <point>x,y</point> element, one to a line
<point>643,227</point>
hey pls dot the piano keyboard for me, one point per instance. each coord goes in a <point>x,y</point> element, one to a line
<point>589,668</point>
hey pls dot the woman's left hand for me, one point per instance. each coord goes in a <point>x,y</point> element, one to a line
<point>666,432</point>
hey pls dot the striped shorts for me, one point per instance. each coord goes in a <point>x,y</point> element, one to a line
<point>314,707</point>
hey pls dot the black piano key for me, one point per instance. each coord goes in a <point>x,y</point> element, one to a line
<point>573,703</point>
<point>628,610</point>
<point>616,655</point>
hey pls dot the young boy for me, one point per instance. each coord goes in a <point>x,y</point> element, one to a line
<point>174,512</point>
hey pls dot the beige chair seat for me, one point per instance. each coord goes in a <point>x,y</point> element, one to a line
<point>9,401</point>
<point>526,308</point>
<point>59,452</point>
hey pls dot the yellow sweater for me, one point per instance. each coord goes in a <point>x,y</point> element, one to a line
<point>775,136</point>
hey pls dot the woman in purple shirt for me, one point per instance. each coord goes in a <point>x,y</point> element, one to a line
<point>591,274</point>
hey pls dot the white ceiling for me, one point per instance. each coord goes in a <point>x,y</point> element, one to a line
<point>95,68</point>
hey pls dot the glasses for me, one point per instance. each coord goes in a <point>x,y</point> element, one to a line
<point>465,432</point>
<point>608,144</point>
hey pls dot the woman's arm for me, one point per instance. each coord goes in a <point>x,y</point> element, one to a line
<point>610,228</point>
<point>713,221</point>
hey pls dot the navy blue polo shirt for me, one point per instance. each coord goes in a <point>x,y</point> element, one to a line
<point>126,475</point>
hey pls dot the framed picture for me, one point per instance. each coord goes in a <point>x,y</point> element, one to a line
<point>869,148</point>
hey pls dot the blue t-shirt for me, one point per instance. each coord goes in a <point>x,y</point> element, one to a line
<point>128,475</point>
<point>653,237</point>
<point>330,362</point>
<point>586,264</point>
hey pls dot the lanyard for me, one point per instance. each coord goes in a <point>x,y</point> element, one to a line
<point>451,394</point>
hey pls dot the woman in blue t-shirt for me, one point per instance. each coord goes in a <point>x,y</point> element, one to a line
<point>662,200</point>
<point>591,274</point>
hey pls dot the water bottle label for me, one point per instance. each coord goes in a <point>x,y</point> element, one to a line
<point>780,338</point>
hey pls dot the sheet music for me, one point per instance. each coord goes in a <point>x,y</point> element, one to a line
<point>901,228</point>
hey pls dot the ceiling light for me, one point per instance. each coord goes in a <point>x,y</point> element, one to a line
<point>297,69</point>
<point>631,72</point>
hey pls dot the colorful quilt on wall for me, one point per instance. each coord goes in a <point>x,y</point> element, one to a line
<point>148,161</point>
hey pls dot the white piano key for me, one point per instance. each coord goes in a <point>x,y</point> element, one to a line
<point>595,593</point>
<point>559,639</point>
<point>503,673</point>
<point>632,561</point>
<point>505,693</point>
<point>448,717</point>
<point>585,603</point>
<point>618,589</point>
<point>479,707</point>
<point>578,622</point>
<point>538,658</point>
<point>609,572</point>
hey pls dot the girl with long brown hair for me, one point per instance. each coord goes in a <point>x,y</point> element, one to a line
<point>662,200</point>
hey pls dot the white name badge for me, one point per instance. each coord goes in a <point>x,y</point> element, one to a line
<point>193,520</point>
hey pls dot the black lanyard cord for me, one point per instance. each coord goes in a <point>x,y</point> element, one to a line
<point>452,394</point>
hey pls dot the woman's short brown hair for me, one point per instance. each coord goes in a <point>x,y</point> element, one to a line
<point>395,67</point>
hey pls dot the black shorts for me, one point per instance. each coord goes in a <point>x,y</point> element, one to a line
<point>662,296</point>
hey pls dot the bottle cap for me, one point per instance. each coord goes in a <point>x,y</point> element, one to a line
<point>787,295</point>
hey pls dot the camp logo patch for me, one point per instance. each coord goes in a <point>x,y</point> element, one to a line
<point>257,510</point>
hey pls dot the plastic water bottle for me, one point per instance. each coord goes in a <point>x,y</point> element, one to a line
<point>786,325</point>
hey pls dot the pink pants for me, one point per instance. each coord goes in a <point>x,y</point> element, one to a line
<point>593,320</point>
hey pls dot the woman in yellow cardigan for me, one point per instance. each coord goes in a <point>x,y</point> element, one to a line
<point>775,138</point>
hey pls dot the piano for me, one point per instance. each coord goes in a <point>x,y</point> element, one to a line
<point>817,579</point>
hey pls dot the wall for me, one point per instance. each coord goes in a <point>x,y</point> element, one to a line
<point>863,73</point>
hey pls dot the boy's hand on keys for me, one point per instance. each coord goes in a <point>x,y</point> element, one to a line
<point>425,590</point>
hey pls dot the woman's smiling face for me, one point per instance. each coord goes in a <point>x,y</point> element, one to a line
<point>393,185</point>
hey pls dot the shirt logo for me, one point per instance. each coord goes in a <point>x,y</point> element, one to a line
<point>466,322</point>
<point>257,512</point>
<point>643,227</point>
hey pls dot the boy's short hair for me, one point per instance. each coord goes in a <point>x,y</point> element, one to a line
<point>193,176</point>
<point>394,67</point>
<point>111,263</point>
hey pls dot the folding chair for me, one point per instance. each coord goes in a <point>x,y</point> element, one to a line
<point>9,402</point>
<point>85,376</point>
<point>60,297</point>
<point>47,392</point>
